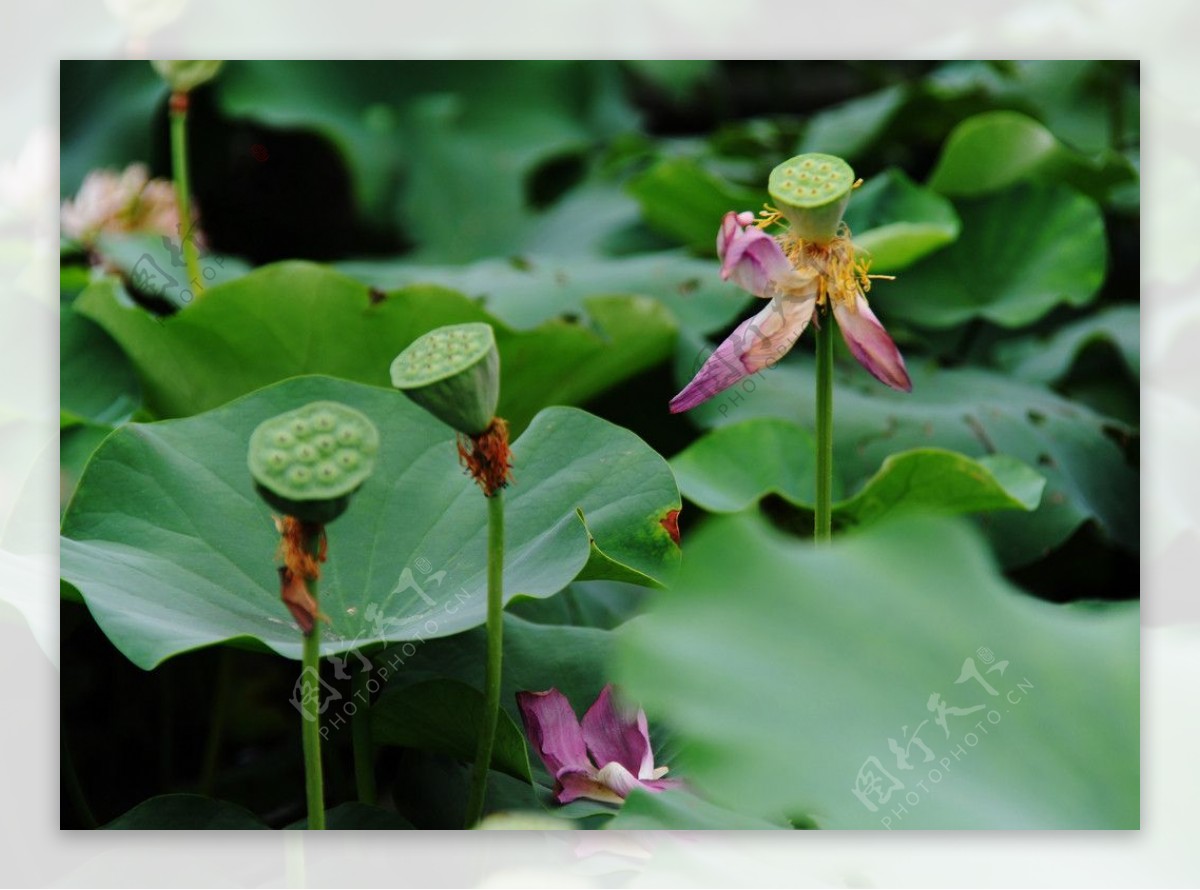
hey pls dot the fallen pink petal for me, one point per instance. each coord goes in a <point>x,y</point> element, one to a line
<point>603,758</point>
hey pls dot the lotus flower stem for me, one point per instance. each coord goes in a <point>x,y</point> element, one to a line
<point>179,172</point>
<point>495,651</point>
<point>313,781</point>
<point>360,731</point>
<point>823,519</point>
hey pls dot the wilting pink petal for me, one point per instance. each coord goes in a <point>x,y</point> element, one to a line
<point>575,784</point>
<point>871,345</point>
<point>756,343</point>
<point>749,256</point>
<point>612,737</point>
<point>551,726</point>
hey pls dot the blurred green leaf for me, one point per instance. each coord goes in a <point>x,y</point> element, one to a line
<point>975,413</point>
<point>172,549</point>
<point>186,812</point>
<point>316,320</point>
<point>1049,359</point>
<point>684,201</point>
<point>677,78</point>
<point>1022,252</point>
<point>444,716</point>
<point>898,222</point>
<point>107,114</point>
<point>866,642</point>
<point>997,149</point>
<point>848,129</point>
<point>680,810</point>
<point>599,604</point>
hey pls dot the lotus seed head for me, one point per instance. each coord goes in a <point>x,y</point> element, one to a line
<point>308,462</point>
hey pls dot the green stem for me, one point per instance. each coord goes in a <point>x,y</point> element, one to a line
<point>495,643</point>
<point>311,680</point>
<point>823,522</point>
<point>179,170</point>
<point>360,731</point>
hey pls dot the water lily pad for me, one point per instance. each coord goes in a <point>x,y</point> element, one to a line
<point>172,549</point>
<point>897,221</point>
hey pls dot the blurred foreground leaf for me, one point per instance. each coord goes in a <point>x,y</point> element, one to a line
<point>869,645</point>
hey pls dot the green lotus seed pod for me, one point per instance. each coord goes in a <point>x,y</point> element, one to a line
<point>308,462</point>
<point>812,191</point>
<point>454,374</point>
<point>185,75</point>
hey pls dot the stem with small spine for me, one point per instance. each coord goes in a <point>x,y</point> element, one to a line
<point>183,200</point>
<point>311,690</point>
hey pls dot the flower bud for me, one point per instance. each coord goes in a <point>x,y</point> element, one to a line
<point>185,75</point>
<point>308,462</point>
<point>453,372</point>
<point>812,191</point>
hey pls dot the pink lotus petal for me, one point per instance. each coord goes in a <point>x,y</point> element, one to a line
<point>661,784</point>
<point>574,784</point>
<point>612,737</point>
<point>556,735</point>
<point>756,343</point>
<point>871,345</point>
<point>749,256</point>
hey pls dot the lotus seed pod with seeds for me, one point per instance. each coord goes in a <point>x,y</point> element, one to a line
<point>183,76</point>
<point>812,191</point>
<point>308,462</point>
<point>453,373</point>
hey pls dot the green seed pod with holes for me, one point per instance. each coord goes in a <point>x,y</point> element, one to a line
<point>812,191</point>
<point>454,374</point>
<point>308,462</point>
<point>185,75</point>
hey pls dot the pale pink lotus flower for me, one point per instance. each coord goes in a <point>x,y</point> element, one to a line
<point>604,758</point>
<point>128,201</point>
<point>796,278</point>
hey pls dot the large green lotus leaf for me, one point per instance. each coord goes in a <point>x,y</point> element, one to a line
<point>1022,252</point>
<point>998,149</point>
<point>734,466</point>
<point>794,675</point>
<point>1049,359</point>
<point>538,288</point>
<point>296,318</point>
<point>97,384</point>
<point>975,413</point>
<point>444,716</point>
<point>172,549</point>
<point>186,812</point>
<point>897,222</point>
